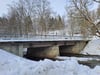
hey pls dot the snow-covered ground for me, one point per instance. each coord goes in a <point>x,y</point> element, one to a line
<point>92,48</point>
<point>14,65</point>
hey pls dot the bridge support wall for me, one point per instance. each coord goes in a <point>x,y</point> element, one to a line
<point>15,49</point>
<point>79,46</point>
<point>43,52</point>
<point>48,51</point>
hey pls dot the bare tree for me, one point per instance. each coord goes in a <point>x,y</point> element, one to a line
<point>27,15</point>
<point>3,26</point>
<point>97,1</point>
<point>75,20</point>
<point>44,14</point>
<point>83,8</point>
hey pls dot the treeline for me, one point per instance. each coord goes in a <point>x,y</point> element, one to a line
<point>30,17</point>
<point>35,17</point>
<point>17,27</point>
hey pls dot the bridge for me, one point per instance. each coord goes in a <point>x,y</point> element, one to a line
<point>43,45</point>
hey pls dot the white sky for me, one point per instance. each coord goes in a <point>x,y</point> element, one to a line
<point>4,6</point>
<point>57,5</point>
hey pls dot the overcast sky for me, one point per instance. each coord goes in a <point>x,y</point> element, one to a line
<point>57,5</point>
<point>4,6</point>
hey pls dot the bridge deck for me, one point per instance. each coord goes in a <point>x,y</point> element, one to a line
<point>44,39</point>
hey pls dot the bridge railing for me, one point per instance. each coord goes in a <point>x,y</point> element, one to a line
<point>43,37</point>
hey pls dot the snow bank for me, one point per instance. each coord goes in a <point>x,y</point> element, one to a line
<point>93,47</point>
<point>14,65</point>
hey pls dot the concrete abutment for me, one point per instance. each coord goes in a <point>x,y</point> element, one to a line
<point>43,52</point>
<point>15,49</point>
<point>76,48</point>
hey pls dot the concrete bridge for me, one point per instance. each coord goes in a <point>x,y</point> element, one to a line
<point>43,46</point>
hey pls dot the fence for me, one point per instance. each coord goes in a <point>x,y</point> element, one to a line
<point>43,37</point>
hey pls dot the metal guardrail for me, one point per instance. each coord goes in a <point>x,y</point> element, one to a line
<point>43,37</point>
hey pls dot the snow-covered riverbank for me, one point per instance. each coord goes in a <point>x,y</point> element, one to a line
<point>14,65</point>
<point>92,48</point>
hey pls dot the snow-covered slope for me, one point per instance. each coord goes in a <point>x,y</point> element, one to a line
<point>93,48</point>
<point>14,65</point>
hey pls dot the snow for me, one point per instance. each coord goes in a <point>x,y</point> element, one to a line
<point>92,48</point>
<point>97,21</point>
<point>13,65</point>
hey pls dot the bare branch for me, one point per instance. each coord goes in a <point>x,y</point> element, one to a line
<point>82,7</point>
<point>97,1</point>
